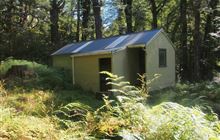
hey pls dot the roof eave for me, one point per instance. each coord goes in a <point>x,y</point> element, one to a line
<point>136,46</point>
<point>91,53</point>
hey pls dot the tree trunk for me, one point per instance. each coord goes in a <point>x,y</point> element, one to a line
<point>184,70</point>
<point>128,15</point>
<point>206,52</point>
<point>197,39</point>
<point>54,18</point>
<point>78,21</point>
<point>98,19</point>
<point>121,25</point>
<point>8,26</point>
<point>86,10</point>
<point>154,14</point>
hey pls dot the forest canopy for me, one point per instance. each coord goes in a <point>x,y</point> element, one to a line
<point>33,29</point>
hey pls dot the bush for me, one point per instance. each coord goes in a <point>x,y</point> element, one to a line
<point>173,121</point>
<point>128,117</point>
<point>204,94</point>
<point>25,127</point>
<point>29,114</point>
<point>47,78</point>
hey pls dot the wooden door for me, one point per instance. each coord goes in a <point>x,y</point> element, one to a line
<point>104,65</point>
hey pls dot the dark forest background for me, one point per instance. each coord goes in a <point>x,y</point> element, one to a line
<point>33,29</point>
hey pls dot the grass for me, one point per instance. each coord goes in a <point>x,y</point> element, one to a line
<point>37,110</point>
<point>46,77</point>
<point>206,95</point>
<point>14,126</point>
<point>30,114</point>
<point>42,103</point>
<point>28,106</point>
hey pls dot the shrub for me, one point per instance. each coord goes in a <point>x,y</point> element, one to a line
<point>129,117</point>
<point>47,78</point>
<point>173,121</point>
<point>25,127</point>
<point>204,94</point>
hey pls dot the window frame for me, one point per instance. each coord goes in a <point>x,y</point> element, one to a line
<point>162,64</point>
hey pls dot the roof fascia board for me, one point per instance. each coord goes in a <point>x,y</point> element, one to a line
<point>118,50</point>
<point>136,46</point>
<point>129,46</point>
<point>93,53</point>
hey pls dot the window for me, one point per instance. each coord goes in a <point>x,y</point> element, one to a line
<point>162,57</point>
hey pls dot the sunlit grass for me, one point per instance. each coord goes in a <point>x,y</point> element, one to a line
<point>39,111</point>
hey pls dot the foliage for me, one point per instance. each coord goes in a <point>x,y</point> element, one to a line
<point>173,121</point>
<point>76,114</point>
<point>29,114</point>
<point>46,77</point>
<point>18,118</point>
<point>205,94</point>
<point>129,117</point>
<point>34,29</point>
<point>15,126</point>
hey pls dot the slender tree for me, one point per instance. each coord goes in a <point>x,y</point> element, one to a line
<point>86,4</point>
<point>207,54</point>
<point>98,19</point>
<point>156,8</point>
<point>56,7</point>
<point>196,40</point>
<point>184,70</point>
<point>78,21</point>
<point>120,22</point>
<point>128,15</point>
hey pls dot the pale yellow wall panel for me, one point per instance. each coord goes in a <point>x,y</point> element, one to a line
<point>120,63</point>
<point>167,74</point>
<point>86,71</point>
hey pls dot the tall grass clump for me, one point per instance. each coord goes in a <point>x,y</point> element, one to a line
<point>14,126</point>
<point>45,77</point>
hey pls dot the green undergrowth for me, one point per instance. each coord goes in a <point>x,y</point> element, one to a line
<point>32,114</point>
<point>36,111</point>
<point>43,102</point>
<point>206,95</point>
<point>26,127</point>
<point>44,77</point>
<point>129,117</point>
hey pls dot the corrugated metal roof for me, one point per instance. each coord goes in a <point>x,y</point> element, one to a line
<point>108,44</point>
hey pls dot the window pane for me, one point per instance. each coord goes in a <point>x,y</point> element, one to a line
<point>162,58</point>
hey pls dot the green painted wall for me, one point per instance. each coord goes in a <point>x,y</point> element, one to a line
<point>167,74</point>
<point>86,71</point>
<point>62,61</point>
